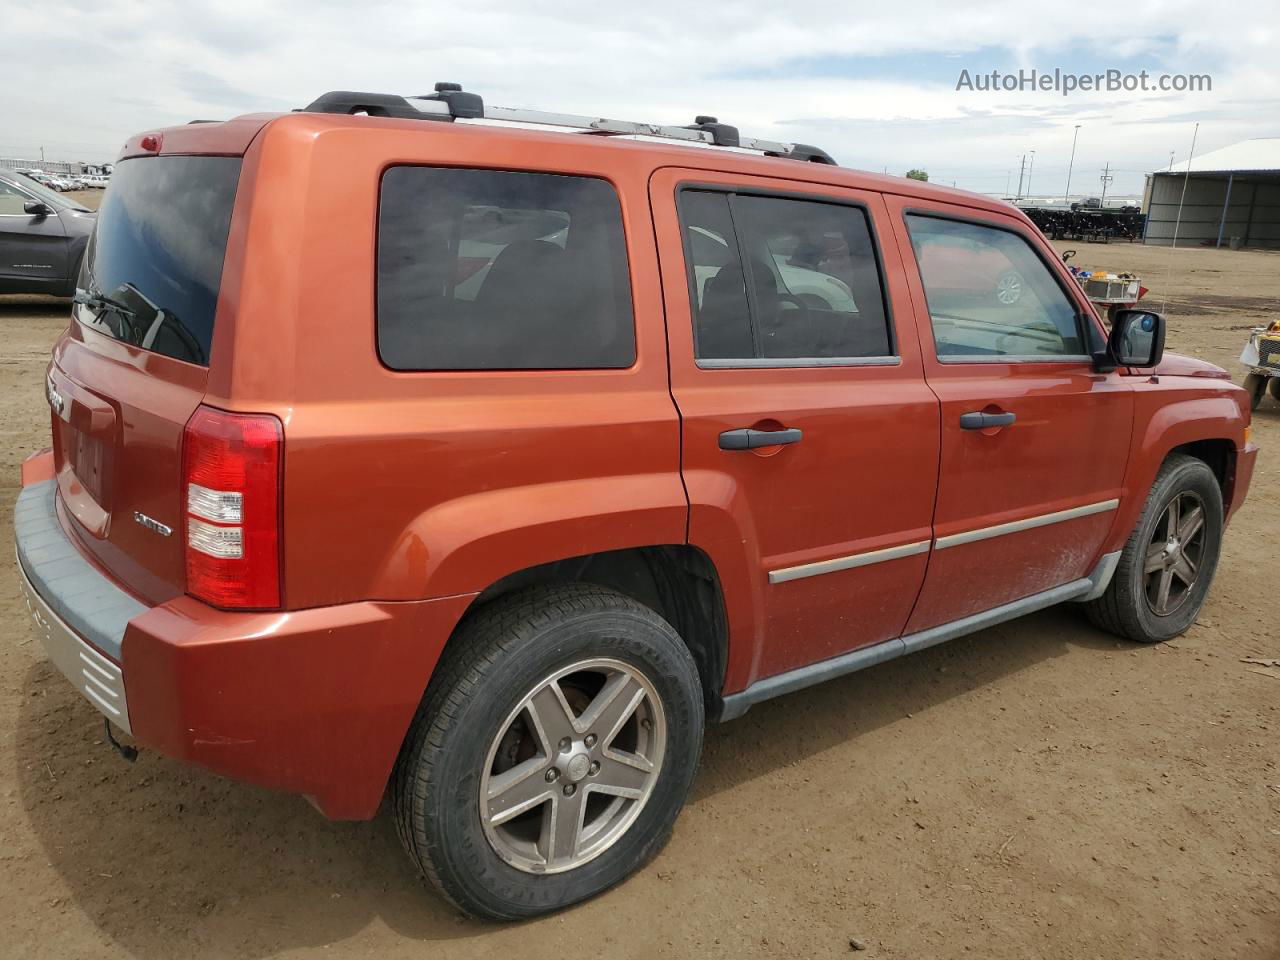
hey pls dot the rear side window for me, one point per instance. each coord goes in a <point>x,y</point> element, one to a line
<point>990,295</point>
<point>775,278</point>
<point>154,264</point>
<point>494,270</point>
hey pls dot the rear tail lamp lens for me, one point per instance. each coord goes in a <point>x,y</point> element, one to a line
<point>231,470</point>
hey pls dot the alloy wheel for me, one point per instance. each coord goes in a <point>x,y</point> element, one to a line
<point>572,766</point>
<point>1174,554</point>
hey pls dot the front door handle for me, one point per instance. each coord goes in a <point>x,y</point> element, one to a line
<point>752,439</point>
<point>985,421</point>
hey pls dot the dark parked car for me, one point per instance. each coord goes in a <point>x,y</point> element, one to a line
<point>42,237</point>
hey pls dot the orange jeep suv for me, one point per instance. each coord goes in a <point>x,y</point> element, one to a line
<point>478,465</point>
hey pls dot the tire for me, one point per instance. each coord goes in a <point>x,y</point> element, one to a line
<point>1130,606</point>
<point>1273,387</point>
<point>475,720</point>
<point>1255,384</point>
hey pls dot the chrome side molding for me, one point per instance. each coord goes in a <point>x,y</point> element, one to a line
<point>1029,523</point>
<point>847,563</point>
<point>803,570</point>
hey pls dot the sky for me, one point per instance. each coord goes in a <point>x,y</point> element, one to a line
<point>874,84</point>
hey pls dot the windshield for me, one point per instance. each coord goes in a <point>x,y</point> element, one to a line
<point>43,193</point>
<point>154,264</point>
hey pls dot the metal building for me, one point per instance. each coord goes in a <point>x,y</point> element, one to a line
<point>1232,198</point>
<point>54,167</point>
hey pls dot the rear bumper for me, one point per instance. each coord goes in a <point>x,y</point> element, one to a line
<point>314,702</point>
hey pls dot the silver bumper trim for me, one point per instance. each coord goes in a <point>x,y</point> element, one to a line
<point>99,679</point>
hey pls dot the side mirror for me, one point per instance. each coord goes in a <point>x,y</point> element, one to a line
<point>37,209</point>
<point>1137,338</point>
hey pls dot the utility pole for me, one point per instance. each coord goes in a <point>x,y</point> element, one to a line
<point>42,154</point>
<point>1106,178</point>
<point>1032,167</point>
<point>1008,176</point>
<point>1067,195</point>
<point>1022,167</point>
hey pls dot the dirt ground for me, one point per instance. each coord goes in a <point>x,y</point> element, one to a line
<point>1038,790</point>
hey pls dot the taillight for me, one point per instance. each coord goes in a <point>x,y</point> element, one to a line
<point>231,508</point>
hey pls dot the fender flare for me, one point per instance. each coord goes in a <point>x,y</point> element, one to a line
<point>464,545</point>
<point>1195,419</point>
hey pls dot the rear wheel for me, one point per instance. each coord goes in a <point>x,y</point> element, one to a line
<point>552,752</point>
<point>1168,563</point>
<point>1255,384</point>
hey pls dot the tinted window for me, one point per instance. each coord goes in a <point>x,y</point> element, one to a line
<point>989,294</point>
<point>154,263</point>
<point>486,269</point>
<point>776,278</point>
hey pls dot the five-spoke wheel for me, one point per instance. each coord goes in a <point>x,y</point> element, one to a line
<point>1167,564</point>
<point>1174,553</point>
<point>573,766</point>
<point>552,752</point>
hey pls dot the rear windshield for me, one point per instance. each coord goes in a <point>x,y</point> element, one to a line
<point>151,273</point>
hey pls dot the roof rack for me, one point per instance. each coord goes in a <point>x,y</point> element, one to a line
<point>450,102</point>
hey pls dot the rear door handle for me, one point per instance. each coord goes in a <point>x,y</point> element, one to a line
<point>985,421</point>
<point>751,439</point>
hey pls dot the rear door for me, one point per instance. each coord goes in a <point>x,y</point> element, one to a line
<point>1034,441</point>
<point>32,248</point>
<point>810,440</point>
<point>134,365</point>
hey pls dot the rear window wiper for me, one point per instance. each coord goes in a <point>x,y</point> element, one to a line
<point>92,298</point>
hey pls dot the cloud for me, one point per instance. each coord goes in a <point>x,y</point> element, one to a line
<point>872,84</point>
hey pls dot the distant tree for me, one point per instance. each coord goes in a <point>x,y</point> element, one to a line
<point>917,175</point>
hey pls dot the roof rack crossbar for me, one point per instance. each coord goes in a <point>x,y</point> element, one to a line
<point>449,102</point>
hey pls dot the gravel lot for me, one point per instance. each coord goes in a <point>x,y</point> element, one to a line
<point>1036,790</point>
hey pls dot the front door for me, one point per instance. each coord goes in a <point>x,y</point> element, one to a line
<point>810,440</point>
<point>1034,441</point>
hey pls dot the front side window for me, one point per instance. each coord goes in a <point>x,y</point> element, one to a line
<point>495,270</point>
<point>783,279</point>
<point>12,200</point>
<point>990,295</point>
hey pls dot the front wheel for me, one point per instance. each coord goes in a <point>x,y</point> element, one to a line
<point>1168,563</point>
<point>552,753</point>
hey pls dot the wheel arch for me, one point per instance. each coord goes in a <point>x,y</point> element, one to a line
<point>1208,424</point>
<point>678,581</point>
<point>1219,455</point>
